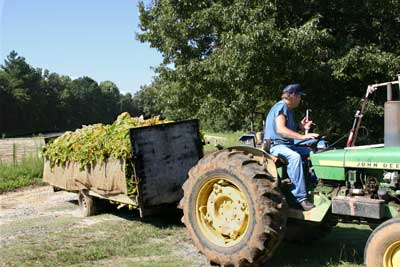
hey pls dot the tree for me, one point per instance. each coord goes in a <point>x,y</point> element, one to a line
<point>33,100</point>
<point>128,104</point>
<point>22,96</point>
<point>147,100</point>
<point>232,57</point>
<point>110,97</point>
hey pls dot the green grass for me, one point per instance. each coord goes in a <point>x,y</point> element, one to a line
<point>121,239</point>
<point>344,247</point>
<point>28,172</point>
<point>108,240</point>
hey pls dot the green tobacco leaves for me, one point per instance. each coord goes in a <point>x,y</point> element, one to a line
<point>97,142</point>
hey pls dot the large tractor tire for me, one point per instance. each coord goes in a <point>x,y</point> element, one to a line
<point>383,245</point>
<point>86,204</point>
<point>298,231</point>
<point>233,209</point>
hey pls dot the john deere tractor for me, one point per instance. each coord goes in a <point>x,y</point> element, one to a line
<point>237,204</point>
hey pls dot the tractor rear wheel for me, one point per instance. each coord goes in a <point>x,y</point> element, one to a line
<point>233,209</point>
<point>383,245</point>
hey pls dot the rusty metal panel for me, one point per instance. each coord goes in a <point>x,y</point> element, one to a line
<point>106,178</point>
<point>61,177</point>
<point>392,124</point>
<point>163,156</point>
<point>358,206</point>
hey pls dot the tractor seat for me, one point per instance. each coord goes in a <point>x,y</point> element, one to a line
<point>279,162</point>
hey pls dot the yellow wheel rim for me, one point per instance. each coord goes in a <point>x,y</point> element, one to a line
<point>391,257</point>
<point>222,212</point>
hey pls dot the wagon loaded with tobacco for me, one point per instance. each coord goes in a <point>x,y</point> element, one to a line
<point>133,162</point>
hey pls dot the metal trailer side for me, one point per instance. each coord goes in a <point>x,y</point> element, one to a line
<point>163,154</point>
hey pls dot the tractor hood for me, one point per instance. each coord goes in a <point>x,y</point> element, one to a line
<point>329,164</point>
<point>332,164</point>
<point>385,158</point>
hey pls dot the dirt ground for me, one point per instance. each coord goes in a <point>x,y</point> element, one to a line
<point>35,215</point>
<point>39,227</point>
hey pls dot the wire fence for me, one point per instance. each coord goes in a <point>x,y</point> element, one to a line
<point>15,150</point>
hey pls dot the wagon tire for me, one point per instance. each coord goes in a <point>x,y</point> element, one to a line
<point>86,204</point>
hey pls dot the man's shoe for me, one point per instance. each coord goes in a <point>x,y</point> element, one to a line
<point>306,205</point>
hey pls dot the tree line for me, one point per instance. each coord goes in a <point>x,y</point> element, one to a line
<point>33,100</point>
<point>225,59</point>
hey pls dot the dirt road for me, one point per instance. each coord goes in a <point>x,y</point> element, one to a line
<point>40,227</point>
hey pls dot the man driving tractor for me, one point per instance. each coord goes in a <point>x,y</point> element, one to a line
<point>281,130</point>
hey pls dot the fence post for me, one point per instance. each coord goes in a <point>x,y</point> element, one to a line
<point>15,154</point>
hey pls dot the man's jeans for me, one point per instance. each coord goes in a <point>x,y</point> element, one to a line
<point>293,155</point>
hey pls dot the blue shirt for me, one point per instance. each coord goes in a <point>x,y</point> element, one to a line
<point>270,130</point>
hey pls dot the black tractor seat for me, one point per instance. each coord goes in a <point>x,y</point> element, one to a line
<point>279,161</point>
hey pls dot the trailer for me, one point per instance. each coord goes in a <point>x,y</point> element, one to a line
<point>162,156</point>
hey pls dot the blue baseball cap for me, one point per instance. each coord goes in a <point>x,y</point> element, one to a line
<point>293,89</point>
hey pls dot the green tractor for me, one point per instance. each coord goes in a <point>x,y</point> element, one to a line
<point>237,204</point>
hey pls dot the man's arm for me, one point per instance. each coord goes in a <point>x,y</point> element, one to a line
<point>281,128</point>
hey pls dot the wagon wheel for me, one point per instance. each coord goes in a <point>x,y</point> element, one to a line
<point>233,209</point>
<point>86,203</point>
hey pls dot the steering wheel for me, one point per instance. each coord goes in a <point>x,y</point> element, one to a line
<point>306,140</point>
<point>314,144</point>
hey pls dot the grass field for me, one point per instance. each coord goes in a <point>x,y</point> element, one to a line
<point>344,247</point>
<point>27,172</point>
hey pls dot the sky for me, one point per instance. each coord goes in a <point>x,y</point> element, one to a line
<point>94,38</point>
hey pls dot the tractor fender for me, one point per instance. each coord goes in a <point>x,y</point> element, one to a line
<point>322,203</point>
<point>261,155</point>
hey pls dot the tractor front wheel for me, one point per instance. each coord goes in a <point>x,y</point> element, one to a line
<point>233,209</point>
<point>383,245</point>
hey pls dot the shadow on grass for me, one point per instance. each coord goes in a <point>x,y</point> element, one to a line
<point>163,218</point>
<point>343,247</point>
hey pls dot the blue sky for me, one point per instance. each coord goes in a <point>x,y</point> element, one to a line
<point>79,38</point>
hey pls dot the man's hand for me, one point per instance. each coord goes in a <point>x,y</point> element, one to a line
<point>281,128</point>
<point>309,136</point>
<point>305,124</point>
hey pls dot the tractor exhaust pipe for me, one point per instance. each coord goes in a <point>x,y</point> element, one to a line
<point>392,117</point>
